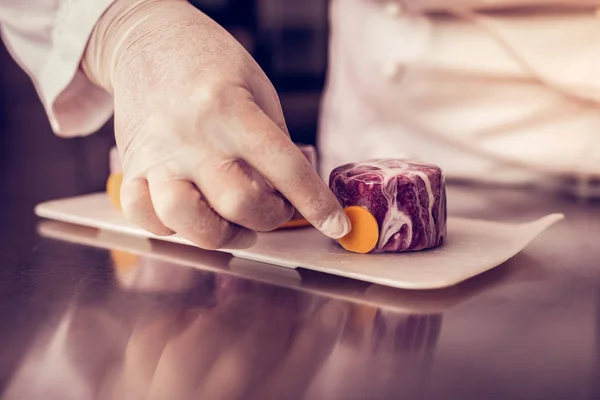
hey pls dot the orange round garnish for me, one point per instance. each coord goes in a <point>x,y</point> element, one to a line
<point>113,189</point>
<point>365,232</point>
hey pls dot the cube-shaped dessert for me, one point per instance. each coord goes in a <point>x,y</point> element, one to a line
<point>407,199</point>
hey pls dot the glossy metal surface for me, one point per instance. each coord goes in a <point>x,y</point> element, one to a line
<point>85,315</point>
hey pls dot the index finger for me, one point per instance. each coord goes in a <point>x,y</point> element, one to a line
<point>270,152</point>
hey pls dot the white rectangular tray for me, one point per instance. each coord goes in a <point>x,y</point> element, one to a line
<point>472,246</point>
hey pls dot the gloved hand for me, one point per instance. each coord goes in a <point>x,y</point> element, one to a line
<point>204,145</point>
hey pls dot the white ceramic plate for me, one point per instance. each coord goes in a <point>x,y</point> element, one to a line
<point>472,246</point>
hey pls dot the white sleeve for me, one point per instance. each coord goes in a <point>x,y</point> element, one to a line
<point>48,38</point>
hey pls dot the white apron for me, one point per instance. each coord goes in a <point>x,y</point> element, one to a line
<point>490,96</point>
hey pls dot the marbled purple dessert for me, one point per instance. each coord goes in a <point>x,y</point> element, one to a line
<point>408,200</point>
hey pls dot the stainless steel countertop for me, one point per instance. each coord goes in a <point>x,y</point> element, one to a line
<point>91,315</point>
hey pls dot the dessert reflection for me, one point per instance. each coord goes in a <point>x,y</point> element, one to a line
<point>164,331</point>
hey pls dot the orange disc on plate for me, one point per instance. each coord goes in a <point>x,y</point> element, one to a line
<point>113,189</point>
<point>365,232</point>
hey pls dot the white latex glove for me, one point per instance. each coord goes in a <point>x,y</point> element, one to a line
<point>200,130</point>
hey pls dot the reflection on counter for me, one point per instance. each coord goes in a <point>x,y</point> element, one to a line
<point>147,265</point>
<point>173,318</point>
<point>192,333</point>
